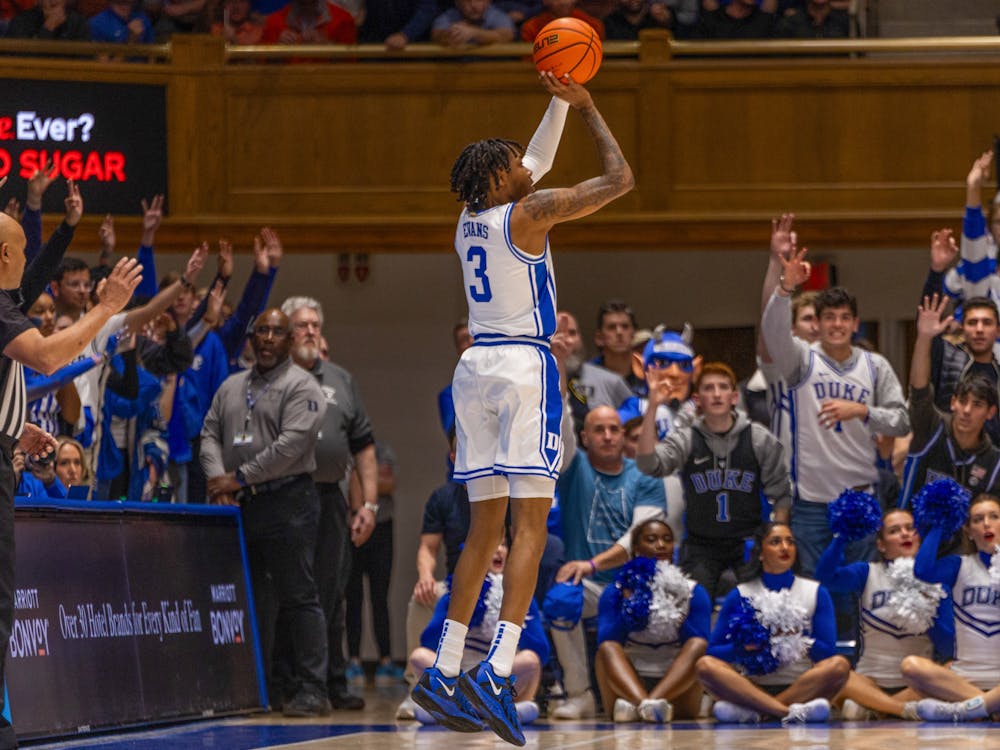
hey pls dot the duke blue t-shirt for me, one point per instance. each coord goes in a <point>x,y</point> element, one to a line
<point>596,508</point>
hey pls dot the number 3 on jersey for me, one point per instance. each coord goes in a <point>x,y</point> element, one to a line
<point>481,292</point>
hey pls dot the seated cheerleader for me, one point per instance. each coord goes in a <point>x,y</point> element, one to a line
<point>772,652</point>
<point>652,627</point>
<point>532,648</point>
<point>958,691</point>
<point>901,616</point>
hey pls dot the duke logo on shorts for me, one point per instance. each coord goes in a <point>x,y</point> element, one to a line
<point>508,406</point>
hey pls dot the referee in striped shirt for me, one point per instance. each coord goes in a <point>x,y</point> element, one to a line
<point>22,344</point>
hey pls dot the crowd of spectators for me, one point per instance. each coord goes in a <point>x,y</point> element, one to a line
<point>453,23</point>
<point>660,446</point>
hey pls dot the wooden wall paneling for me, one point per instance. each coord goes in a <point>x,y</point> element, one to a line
<point>870,152</point>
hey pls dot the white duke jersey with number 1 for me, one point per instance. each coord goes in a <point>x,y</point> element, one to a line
<point>511,294</point>
<point>825,461</point>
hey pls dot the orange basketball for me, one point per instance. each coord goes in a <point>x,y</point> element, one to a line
<point>568,45</point>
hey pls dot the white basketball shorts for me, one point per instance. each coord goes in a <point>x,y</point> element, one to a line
<point>507,412</point>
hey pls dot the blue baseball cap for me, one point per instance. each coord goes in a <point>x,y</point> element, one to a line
<point>629,410</point>
<point>668,347</point>
<point>563,605</point>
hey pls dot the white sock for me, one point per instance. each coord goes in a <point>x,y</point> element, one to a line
<point>501,655</point>
<point>975,708</point>
<point>450,648</point>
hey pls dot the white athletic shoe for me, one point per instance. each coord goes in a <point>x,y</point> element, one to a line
<point>655,711</point>
<point>930,709</point>
<point>910,712</point>
<point>732,713</point>
<point>527,711</point>
<point>625,712</point>
<point>852,711</point>
<point>811,712</point>
<point>405,710</point>
<point>577,707</point>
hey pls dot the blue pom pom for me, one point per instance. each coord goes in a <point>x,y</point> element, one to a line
<point>854,515</point>
<point>753,640</point>
<point>634,577</point>
<point>944,504</point>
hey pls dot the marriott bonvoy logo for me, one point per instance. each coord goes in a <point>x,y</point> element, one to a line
<point>30,635</point>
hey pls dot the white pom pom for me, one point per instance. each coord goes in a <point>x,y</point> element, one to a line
<point>913,603</point>
<point>671,601</point>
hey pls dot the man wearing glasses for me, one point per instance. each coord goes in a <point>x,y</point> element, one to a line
<point>258,449</point>
<point>71,286</point>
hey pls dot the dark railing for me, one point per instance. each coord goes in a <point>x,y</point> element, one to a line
<point>652,46</point>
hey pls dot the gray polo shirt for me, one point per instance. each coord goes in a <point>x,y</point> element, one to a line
<point>346,429</point>
<point>276,437</point>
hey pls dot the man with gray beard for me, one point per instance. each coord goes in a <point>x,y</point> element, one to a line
<point>345,436</point>
<point>588,385</point>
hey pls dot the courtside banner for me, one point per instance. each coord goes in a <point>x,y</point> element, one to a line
<point>109,137</point>
<point>125,614</point>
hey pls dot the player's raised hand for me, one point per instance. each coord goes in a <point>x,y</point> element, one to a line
<point>116,290</point>
<point>929,317</point>
<point>74,204</point>
<point>260,261</point>
<point>272,246</point>
<point>567,89</point>
<point>152,217</point>
<point>795,269</point>
<point>216,297</point>
<point>784,240</point>
<point>980,169</point>
<point>944,250</point>
<point>196,262</point>
<point>225,260</point>
<point>39,182</point>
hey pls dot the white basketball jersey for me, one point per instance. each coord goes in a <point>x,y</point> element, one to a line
<point>885,641</point>
<point>511,294</point>
<point>977,621</point>
<point>826,461</point>
<point>803,591</point>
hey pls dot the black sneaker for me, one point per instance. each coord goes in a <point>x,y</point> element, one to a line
<point>343,700</point>
<point>306,704</point>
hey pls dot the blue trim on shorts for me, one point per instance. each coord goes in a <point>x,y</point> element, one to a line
<point>502,339</point>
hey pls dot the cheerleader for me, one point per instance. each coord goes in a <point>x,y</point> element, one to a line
<point>961,690</point>
<point>900,616</point>
<point>772,652</point>
<point>532,648</point>
<point>652,627</point>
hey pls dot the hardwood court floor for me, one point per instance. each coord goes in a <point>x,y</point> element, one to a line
<point>374,729</point>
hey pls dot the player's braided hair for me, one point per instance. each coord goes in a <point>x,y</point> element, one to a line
<point>478,166</point>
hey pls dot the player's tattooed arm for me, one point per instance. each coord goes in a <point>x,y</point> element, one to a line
<point>553,206</point>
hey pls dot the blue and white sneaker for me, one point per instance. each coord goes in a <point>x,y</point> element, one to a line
<point>493,699</point>
<point>441,698</point>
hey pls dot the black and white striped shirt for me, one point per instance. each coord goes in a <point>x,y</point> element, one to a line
<point>13,396</point>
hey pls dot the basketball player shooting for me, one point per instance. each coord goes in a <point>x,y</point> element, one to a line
<point>506,389</point>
